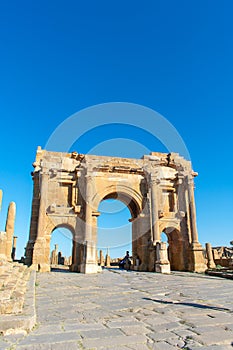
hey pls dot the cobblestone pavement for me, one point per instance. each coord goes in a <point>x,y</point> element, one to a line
<point>129,310</point>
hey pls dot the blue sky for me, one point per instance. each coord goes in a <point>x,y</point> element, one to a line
<point>175,57</point>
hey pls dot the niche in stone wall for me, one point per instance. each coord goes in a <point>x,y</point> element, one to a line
<point>65,194</point>
<point>168,201</point>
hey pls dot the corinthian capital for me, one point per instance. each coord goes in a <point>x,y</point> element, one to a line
<point>154,180</point>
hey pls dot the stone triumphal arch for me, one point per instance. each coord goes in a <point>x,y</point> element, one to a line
<point>158,190</point>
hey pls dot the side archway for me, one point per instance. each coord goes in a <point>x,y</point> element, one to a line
<point>175,247</point>
<point>62,245</point>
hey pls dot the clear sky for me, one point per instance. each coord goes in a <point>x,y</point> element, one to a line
<point>58,57</point>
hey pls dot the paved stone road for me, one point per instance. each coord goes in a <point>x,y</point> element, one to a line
<point>129,310</point>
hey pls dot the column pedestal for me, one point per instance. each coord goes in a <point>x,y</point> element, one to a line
<point>89,264</point>
<point>162,265</point>
<point>197,260</point>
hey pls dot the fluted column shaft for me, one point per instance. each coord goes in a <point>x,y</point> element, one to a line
<point>154,210</point>
<point>192,207</point>
<point>88,213</point>
<point>44,178</point>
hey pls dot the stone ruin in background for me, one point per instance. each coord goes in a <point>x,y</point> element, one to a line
<point>56,258</point>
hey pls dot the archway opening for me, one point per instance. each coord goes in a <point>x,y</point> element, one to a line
<point>114,233</point>
<point>61,245</point>
<point>172,237</point>
<point>164,238</point>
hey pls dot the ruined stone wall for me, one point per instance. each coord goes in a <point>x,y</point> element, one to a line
<point>223,256</point>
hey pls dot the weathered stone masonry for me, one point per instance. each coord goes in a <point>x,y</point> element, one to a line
<point>158,190</point>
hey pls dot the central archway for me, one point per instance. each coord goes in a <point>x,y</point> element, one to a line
<point>131,200</point>
<point>114,228</point>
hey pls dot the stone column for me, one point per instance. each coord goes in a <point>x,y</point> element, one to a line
<point>107,260</point>
<point>162,264</point>
<point>41,258</point>
<point>14,247</point>
<point>14,241</point>
<point>34,218</point>
<point>209,253</point>
<point>95,215</point>
<point>56,254</point>
<point>192,207</point>
<point>88,213</point>
<point>154,209</point>
<point>89,265</point>
<point>196,257</point>
<point>74,264</point>
<point>77,249</point>
<point>10,224</point>
<point>44,179</point>
<point>101,258</point>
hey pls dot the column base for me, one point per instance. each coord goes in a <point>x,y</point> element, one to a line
<point>74,268</point>
<point>197,261</point>
<point>90,268</point>
<point>143,267</point>
<point>41,267</point>
<point>34,267</point>
<point>44,268</point>
<point>163,268</point>
<point>211,265</point>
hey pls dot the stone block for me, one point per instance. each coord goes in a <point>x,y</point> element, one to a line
<point>162,268</point>
<point>44,268</point>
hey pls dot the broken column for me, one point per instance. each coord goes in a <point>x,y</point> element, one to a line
<point>10,224</point>
<point>54,255</point>
<point>107,260</point>
<point>14,247</point>
<point>162,263</point>
<point>101,258</point>
<point>209,254</point>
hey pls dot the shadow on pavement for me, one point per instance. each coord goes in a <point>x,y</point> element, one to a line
<point>57,269</point>
<point>200,306</point>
